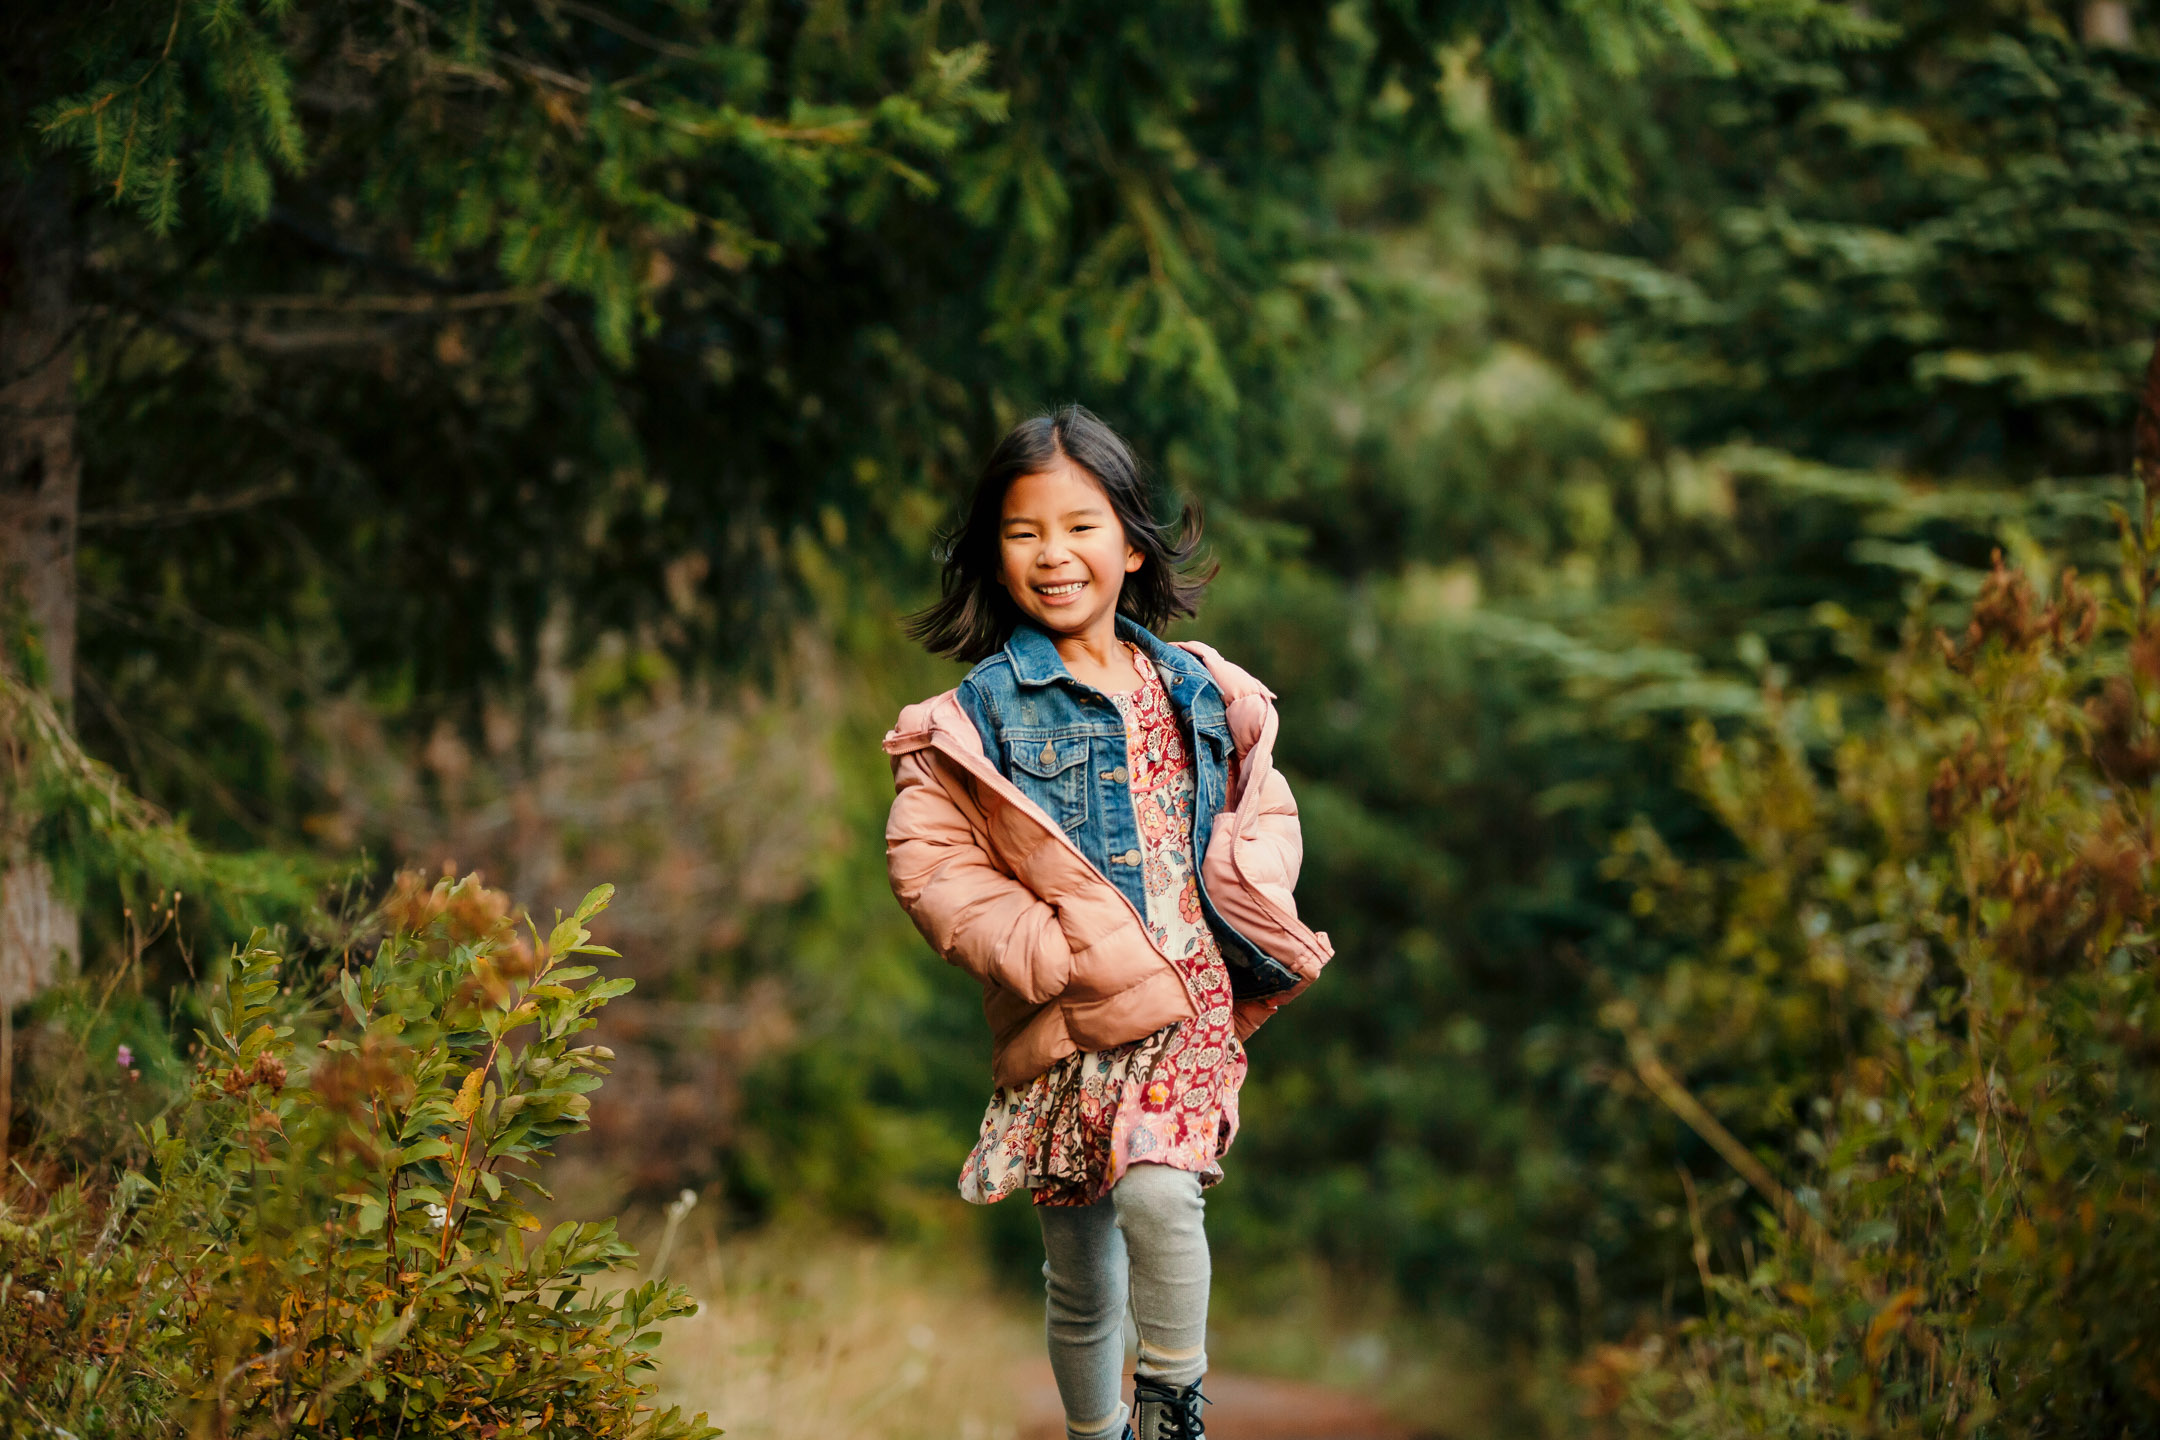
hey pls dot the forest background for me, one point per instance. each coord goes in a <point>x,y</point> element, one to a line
<point>509,435</point>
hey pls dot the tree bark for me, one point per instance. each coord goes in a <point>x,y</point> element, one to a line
<point>40,478</point>
<point>2106,22</point>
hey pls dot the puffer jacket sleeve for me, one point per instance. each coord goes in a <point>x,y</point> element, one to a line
<point>973,913</point>
<point>1268,851</point>
<point>1271,843</point>
<point>1271,851</point>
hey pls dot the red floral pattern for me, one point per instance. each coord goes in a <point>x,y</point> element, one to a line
<point>1171,1098</point>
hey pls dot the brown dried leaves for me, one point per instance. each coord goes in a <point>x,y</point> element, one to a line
<point>2007,612</point>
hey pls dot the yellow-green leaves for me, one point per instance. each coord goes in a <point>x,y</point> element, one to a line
<point>468,1098</point>
<point>1953,908</point>
<point>357,1237</point>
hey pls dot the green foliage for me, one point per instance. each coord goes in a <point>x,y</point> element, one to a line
<point>584,322</point>
<point>197,95</point>
<point>1932,968</point>
<point>344,1251</point>
<point>1556,375</point>
<point>1593,480</point>
<point>1543,489</point>
<point>104,843</point>
<point>477,142</point>
<point>1933,252</point>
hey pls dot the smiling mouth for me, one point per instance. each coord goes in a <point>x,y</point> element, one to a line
<point>1055,591</point>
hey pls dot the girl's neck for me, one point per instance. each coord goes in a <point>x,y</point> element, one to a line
<point>1099,658</point>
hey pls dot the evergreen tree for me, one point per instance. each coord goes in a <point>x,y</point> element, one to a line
<point>422,327</point>
<point>1877,305</point>
<point>1556,372</point>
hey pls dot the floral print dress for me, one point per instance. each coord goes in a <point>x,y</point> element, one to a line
<point>1171,1098</point>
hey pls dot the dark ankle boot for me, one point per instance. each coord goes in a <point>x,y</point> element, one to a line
<point>1167,1412</point>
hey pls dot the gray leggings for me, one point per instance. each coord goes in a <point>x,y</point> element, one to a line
<point>1145,1241</point>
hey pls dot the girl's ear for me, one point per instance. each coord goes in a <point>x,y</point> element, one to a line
<point>1134,557</point>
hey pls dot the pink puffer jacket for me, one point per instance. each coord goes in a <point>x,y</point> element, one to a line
<point>1065,962</point>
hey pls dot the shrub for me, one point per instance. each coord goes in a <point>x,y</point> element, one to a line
<point>338,1245</point>
<point>1937,956</point>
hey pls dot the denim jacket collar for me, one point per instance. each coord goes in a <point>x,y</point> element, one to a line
<point>1034,657</point>
<point>1035,660</point>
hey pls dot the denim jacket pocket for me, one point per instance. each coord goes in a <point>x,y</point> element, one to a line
<point>1053,773</point>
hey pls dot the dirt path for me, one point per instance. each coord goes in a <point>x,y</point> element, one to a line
<point>1243,1409</point>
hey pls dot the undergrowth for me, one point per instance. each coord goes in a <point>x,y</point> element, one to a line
<point>321,1228</point>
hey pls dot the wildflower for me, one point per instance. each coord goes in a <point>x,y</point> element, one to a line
<point>474,911</point>
<point>269,1070</point>
<point>344,1082</point>
<point>683,1205</point>
<point>414,903</point>
<point>124,1058</point>
<point>438,1216</point>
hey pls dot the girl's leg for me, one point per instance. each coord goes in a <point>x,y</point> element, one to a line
<point>1160,1212</point>
<point>1084,1279</point>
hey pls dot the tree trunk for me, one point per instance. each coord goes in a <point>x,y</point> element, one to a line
<point>40,475</point>
<point>2106,22</point>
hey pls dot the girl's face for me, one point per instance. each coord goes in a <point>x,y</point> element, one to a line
<point>1062,554</point>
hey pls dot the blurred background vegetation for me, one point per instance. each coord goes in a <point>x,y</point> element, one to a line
<point>507,434</point>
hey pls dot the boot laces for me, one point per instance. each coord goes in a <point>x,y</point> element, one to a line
<point>1181,1406</point>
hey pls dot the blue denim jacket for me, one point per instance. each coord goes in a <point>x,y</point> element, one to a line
<point>1063,744</point>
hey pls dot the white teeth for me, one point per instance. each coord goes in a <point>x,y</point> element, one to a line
<point>1059,589</point>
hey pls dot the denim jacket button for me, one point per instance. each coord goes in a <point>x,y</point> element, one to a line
<point>1130,857</point>
<point>1117,776</point>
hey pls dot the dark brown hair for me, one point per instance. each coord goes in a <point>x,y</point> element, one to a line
<point>974,617</point>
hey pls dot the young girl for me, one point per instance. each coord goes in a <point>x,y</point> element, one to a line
<point>1091,824</point>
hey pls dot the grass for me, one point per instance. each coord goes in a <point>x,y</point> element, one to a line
<point>1430,1372</point>
<point>808,1333</point>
